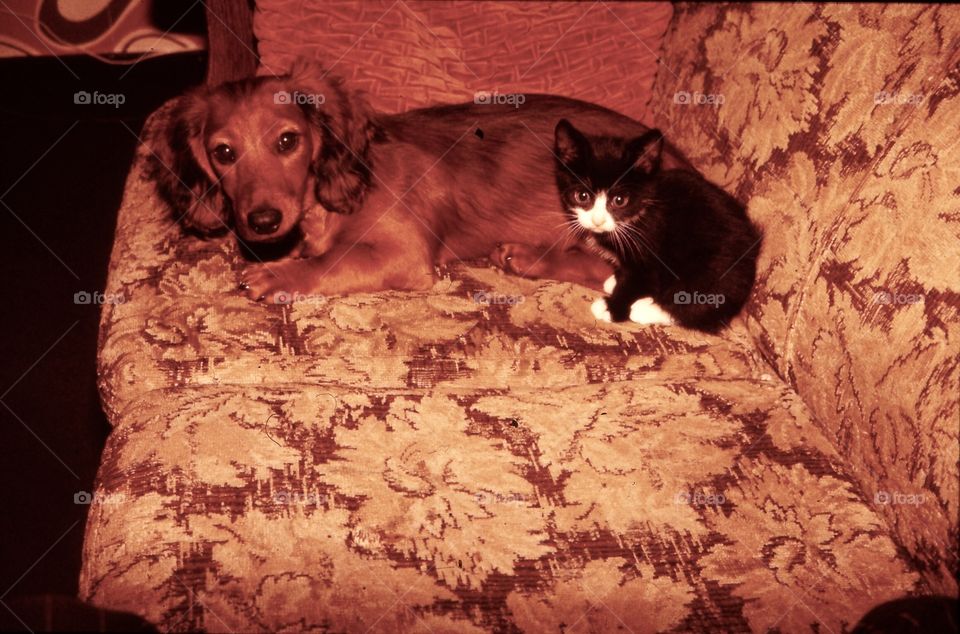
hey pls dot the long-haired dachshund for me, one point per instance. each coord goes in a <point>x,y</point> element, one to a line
<point>374,201</point>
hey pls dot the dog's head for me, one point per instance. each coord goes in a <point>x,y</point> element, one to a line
<point>257,154</point>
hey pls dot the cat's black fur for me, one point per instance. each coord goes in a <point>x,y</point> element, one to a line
<point>676,234</point>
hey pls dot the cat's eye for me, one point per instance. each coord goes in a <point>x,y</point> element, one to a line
<point>288,141</point>
<point>619,201</point>
<point>224,154</point>
<point>582,196</point>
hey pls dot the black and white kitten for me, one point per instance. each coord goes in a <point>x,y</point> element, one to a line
<point>683,250</point>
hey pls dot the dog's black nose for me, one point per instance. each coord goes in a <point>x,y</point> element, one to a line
<point>265,220</point>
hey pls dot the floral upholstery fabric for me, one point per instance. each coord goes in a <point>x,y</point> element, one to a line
<point>483,456</point>
<point>836,124</point>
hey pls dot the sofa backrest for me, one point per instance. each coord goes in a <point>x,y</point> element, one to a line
<point>417,53</point>
<point>838,124</point>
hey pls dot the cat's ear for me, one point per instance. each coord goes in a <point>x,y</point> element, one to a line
<point>568,142</point>
<point>645,151</point>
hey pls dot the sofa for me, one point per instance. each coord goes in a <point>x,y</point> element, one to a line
<point>484,455</point>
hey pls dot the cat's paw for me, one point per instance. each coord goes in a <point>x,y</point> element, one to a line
<point>645,311</point>
<point>609,284</point>
<point>600,310</point>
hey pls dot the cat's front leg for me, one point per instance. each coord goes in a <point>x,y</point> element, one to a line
<point>609,284</point>
<point>620,289</point>
<point>642,311</point>
<point>628,300</point>
<point>648,312</point>
<point>599,306</point>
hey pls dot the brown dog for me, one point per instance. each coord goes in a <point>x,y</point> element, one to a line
<point>378,199</point>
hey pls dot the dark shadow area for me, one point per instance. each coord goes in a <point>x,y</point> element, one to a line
<point>182,16</point>
<point>63,164</point>
<point>917,615</point>
<point>55,613</point>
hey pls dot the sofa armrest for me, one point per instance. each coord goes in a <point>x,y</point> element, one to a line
<point>852,174</point>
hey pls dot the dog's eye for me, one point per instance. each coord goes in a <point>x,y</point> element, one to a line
<point>223,153</point>
<point>287,141</point>
<point>619,201</point>
<point>582,196</point>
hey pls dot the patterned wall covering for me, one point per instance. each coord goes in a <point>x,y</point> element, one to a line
<point>98,27</point>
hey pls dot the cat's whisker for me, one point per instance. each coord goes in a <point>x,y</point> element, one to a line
<point>641,242</point>
<point>616,243</point>
<point>629,240</point>
<point>573,229</point>
<point>628,245</point>
<point>639,238</point>
<point>635,231</point>
<point>620,239</point>
<point>615,238</point>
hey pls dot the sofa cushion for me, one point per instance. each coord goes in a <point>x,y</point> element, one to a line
<point>831,121</point>
<point>183,322</point>
<point>664,503</point>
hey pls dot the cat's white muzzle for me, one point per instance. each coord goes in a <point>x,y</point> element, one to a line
<point>597,219</point>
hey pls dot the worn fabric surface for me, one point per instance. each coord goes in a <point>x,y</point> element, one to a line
<point>483,456</point>
<point>837,123</point>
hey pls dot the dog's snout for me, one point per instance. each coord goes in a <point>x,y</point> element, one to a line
<point>265,220</point>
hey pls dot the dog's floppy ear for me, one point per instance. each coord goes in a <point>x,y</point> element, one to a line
<point>182,171</point>
<point>345,127</point>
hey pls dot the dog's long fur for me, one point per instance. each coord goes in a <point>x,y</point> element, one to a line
<point>377,199</point>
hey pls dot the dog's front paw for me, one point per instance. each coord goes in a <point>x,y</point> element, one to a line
<point>273,282</point>
<point>519,259</point>
<point>600,310</point>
